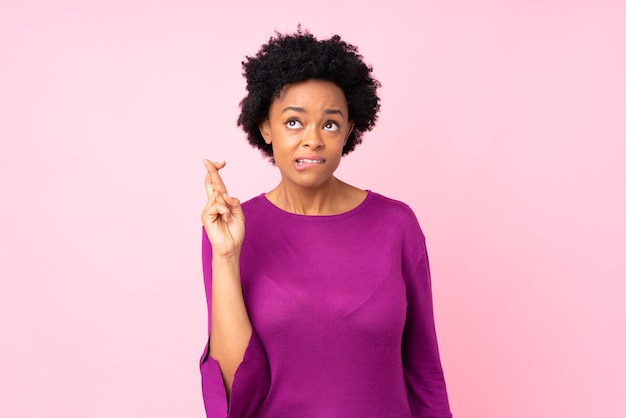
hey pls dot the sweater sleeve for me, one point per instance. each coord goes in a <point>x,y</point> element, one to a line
<point>420,353</point>
<point>252,377</point>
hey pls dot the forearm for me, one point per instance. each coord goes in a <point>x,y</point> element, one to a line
<point>230,324</point>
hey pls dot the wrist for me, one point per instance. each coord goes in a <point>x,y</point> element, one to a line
<point>226,258</point>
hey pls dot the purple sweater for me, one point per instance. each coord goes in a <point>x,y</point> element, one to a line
<point>342,317</point>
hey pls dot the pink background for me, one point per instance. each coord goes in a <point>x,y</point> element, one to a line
<point>503,125</point>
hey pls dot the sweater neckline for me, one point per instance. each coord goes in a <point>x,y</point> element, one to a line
<point>341,215</point>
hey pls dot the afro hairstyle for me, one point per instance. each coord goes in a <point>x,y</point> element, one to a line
<point>287,59</point>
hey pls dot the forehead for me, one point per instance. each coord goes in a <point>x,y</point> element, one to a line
<point>311,94</point>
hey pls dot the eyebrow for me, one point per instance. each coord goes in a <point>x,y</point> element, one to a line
<point>303,110</point>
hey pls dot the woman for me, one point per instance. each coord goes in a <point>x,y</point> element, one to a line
<point>324,309</point>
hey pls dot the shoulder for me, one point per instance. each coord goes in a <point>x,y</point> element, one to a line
<point>398,215</point>
<point>259,211</point>
<point>392,207</point>
<point>254,204</point>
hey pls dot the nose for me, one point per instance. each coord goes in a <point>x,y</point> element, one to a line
<point>313,139</point>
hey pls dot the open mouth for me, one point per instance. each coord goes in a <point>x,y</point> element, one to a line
<point>309,161</point>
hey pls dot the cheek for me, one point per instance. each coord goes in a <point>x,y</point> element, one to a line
<point>282,152</point>
<point>338,146</point>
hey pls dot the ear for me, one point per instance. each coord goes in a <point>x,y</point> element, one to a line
<point>350,128</point>
<point>266,132</point>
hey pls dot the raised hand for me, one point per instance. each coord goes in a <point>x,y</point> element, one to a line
<point>222,216</point>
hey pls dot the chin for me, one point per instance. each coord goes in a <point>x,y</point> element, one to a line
<point>315,183</point>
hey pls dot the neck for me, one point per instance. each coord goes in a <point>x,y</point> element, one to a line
<point>323,200</point>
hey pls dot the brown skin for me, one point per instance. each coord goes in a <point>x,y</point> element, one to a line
<point>309,120</point>
<point>223,222</point>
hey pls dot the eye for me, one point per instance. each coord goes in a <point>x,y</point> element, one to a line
<point>293,124</point>
<point>331,126</point>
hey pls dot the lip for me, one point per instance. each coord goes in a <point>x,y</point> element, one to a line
<point>308,161</point>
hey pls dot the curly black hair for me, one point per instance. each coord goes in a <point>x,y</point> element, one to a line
<point>299,57</point>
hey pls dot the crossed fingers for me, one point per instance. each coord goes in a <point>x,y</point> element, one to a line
<point>213,180</point>
<point>216,190</point>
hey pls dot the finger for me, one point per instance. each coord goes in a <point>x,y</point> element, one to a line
<point>233,204</point>
<point>216,199</point>
<point>215,208</point>
<point>218,164</point>
<point>208,185</point>
<point>207,179</point>
<point>214,178</point>
<point>224,211</point>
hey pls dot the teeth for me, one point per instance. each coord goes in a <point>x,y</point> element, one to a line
<point>305,160</point>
